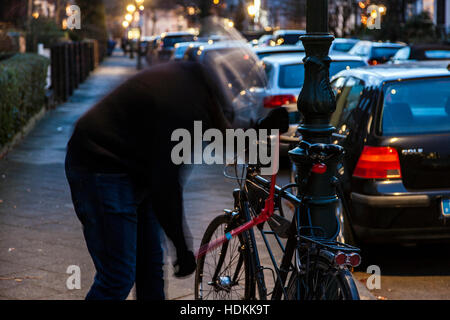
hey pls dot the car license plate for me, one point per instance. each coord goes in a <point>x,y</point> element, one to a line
<point>445,207</point>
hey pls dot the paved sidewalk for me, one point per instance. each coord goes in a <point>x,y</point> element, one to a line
<point>39,233</point>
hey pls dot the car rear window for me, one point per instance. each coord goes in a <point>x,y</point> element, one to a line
<point>437,54</point>
<point>384,52</point>
<point>416,107</point>
<point>343,46</point>
<point>337,66</point>
<point>171,41</point>
<point>289,38</point>
<point>291,76</point>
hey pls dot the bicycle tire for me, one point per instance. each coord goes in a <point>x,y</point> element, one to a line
<point>322,269</point>
<point>219,291</point>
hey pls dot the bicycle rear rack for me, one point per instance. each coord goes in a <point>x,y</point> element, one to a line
<point>332,245</point>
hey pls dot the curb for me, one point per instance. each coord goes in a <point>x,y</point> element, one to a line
<point>364,293</point>
<point>18,137</point>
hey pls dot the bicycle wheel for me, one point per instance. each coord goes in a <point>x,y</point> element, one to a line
<point>323,281</point>
<point>223,273</point>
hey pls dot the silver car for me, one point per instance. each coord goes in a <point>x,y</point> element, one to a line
<point>285,76</point>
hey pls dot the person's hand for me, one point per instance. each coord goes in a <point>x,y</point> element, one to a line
<point>185,264</point>
<point>276,119</point>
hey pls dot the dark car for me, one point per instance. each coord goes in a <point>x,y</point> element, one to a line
<point>422,52</point>
<point>165,45</point>
<point>286,37</point>
<point>375,52</point>
<point>394,123</point>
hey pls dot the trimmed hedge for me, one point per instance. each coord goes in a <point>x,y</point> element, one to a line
<point>22,92</point>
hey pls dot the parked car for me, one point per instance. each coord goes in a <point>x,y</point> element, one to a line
<point>394,123</point>
<point>165,45</point>
<point>240,75</point>
<point>342,45</point>
<point>286,37</point>
<point>263,41</point>
<point>420,52</point>
<point>182,47</point>
<point>285,76</point>
<point>375,52</point>
<point>263,52</point>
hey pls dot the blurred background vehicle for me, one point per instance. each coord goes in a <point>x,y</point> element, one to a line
<point>375,52</point>
<point>286,37</point>
<point>342,45</point>
<point>263,41</point>
<point>164,46</point>
<point>418,52</point>
<point>263,52</point>
<point>239,74</point>
<point>285,76</point>
<point>182,47</point>
<point>394,122</point>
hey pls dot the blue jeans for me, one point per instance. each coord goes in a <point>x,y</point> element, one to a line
<point>121,232</point>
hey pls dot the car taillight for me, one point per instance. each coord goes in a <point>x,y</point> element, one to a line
<point>278,100</point>
<point>372,62</point>
<point>378,163</point>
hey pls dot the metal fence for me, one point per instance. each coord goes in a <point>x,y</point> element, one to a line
<point>71,63</point>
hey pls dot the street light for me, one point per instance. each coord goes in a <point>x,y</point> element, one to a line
<point>251,9</point>
<point>125,24</point>
<point>131,8</point>
<point>128,17</point>
<point>191,11</point>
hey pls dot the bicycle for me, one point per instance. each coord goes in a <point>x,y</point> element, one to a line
<point>317,266</point>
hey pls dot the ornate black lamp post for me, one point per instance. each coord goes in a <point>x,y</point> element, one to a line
<point>316,103</point>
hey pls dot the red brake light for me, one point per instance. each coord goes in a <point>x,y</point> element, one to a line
<point>378,163</point>
<point>373,62</point>
<point>278,100</point>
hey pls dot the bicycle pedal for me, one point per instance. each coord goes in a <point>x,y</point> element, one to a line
<point>279,225</point>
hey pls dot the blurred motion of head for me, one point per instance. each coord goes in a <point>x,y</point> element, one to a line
<point>236,71</point>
